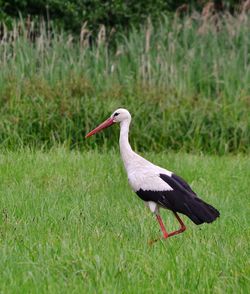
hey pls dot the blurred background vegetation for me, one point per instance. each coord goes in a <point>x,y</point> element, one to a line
<point>118,14</point>
<point>181,68</point>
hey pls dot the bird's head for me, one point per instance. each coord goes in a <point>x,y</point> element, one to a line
<point>118,116</point>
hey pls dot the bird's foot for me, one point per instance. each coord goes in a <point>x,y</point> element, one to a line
<point>151,242</point>
<point>167,235</point>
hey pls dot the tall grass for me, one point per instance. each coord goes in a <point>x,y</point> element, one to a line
<point>185,81</point>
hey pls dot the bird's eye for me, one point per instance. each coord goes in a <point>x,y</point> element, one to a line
<point>116,114</point>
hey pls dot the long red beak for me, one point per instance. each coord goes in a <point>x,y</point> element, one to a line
<point>107,123</point>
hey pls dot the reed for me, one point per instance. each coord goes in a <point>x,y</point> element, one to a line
<point>185,81</point>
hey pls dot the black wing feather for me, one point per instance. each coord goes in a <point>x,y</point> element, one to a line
<point>182,183</point>
<point>181,199</point>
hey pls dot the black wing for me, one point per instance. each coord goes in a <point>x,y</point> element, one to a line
<point>182,183</point>
<point>181,199</point>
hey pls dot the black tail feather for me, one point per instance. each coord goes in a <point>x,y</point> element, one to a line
<point>184,200</point>
<point>201,212</point>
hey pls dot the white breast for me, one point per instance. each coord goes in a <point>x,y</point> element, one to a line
<point>144,175</point>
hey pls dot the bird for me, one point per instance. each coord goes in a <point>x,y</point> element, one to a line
<point>156,186</point>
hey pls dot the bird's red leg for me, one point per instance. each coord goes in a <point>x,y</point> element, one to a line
<point>165,234</point>
<point>182,228</point>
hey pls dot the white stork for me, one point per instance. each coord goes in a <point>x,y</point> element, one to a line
<point>158,187</point>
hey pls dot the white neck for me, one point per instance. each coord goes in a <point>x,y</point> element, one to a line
<point>126,151</point>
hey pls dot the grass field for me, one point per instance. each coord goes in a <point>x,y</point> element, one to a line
<point>69,223</point>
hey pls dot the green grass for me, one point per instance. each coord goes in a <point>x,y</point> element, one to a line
<point>69,223</point>
<point>187,81</point>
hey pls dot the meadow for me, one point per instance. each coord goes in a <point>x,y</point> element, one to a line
<point>69,223</point>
